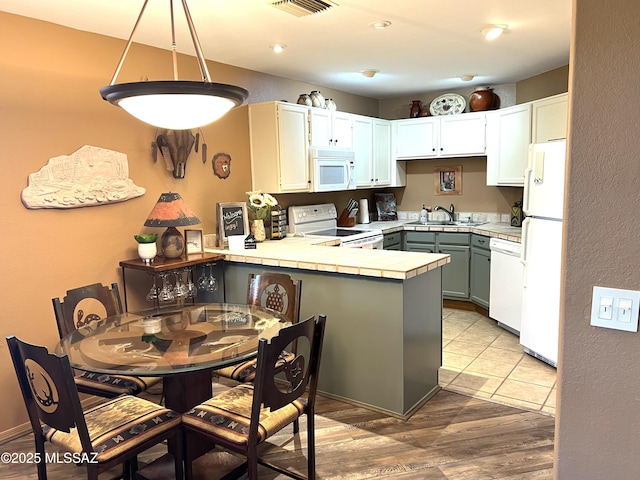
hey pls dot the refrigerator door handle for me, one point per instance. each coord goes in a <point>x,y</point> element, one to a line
<point>528,172</point>
<point>524,250</point>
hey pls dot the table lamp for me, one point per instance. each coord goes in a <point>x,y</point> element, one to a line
<point>171,211</point>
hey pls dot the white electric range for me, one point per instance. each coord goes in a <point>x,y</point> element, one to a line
<point>322,221</point>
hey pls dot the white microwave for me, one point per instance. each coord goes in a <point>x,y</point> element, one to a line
<point>332,170</point>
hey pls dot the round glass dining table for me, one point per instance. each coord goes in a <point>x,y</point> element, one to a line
<point>181,343</point>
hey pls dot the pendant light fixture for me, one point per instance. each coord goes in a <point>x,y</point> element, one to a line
<point>174,104</point>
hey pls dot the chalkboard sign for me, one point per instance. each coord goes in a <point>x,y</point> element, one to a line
<point>232,220</point>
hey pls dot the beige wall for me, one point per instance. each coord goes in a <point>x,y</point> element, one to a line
<point>598,424</point>
<point>50,106</point>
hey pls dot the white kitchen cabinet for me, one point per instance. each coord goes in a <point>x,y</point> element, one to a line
<point>331,129</point>
<point>372,148</point>
<point>445,136</point>
<point>511,130</point>
<point>279,143</point>
<point>382,161</point>
<point>550,118</point>
<point>416,138</point>
<point>508,139</point>
<point>462,135</point>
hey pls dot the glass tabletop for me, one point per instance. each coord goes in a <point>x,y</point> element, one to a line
<point>171,339</point>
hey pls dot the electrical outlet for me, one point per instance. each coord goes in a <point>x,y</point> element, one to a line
<point>615,308</point>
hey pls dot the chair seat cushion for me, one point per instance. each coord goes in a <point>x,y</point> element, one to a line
<point>113,385</point>
<point>246,371</point>
<point>117,426</point>
<point>228,416</point>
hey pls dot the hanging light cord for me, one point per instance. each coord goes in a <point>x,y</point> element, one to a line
<point>194,37</point>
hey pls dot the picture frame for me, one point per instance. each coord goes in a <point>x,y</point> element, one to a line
<point>232,219</point>
<point>193,240</point>
<point>447,180</point>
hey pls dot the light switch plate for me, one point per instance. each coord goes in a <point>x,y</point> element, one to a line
<point>615,308</point>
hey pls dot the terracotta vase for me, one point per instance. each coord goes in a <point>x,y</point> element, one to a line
<point>482,99</point>
<point>257,230</point>
<point>425,112</point>
<point>416,106</point>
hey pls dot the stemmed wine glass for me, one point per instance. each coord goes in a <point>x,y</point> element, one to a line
<point>208,282</point>
<point>152,296</point>
<point>179,289</point>
<point>192,290</point>
<point>166,292</point>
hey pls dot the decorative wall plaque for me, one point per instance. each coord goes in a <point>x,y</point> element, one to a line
<point>90,176</point>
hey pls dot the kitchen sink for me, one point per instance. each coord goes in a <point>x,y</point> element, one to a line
<point>447,223</point>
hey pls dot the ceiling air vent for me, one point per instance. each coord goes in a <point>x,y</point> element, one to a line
<point>300,8</point>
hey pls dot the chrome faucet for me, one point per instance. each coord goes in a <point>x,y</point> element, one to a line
<point>451,212</point>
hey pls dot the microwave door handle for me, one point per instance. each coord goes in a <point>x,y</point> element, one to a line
<point>350,168</point>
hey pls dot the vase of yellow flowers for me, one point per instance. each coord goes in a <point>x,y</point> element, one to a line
<point>259,205</point>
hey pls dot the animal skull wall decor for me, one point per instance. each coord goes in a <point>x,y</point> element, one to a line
<point>175,147</point>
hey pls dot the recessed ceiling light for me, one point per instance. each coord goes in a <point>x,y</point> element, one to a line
<point>278,47</point>
<point>493,31</point>
<point>466,77</point>
<point>381,25</point>
<point>369,73</point>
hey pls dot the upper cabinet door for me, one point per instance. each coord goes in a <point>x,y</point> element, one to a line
<point>550,118</point>
<point>416,138</point>
<point>363,150</point>
<point>331,129</point>
<point>382,162</point>
<point>293,151</point>
<point>462,135</point>
<point>508,139</point>
<point>279,142</point>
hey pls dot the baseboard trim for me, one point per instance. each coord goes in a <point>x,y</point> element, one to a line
<point>463,305</point>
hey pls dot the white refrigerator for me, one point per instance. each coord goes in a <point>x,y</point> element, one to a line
<point>541,253</point>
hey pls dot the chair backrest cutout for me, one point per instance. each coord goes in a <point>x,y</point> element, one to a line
<point>278,384</point>
<point>277,291</point>
<point>48,389</point>
<point>84,305</point>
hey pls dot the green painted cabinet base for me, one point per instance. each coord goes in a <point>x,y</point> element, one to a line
<point>383,340</point>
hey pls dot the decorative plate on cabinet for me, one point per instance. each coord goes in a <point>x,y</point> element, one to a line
<point>448,104</point>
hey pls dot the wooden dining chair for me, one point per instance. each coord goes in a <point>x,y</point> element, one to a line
<point>246,415</point>
<point>102,437</point>
<point>82,307</point>
<point>277,291</point>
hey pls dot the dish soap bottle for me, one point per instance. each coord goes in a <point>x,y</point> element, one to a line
<point>424,215</point>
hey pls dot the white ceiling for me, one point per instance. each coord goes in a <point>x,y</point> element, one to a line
<point>428,45</point>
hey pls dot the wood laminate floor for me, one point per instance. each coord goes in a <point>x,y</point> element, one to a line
<point>475,433</point>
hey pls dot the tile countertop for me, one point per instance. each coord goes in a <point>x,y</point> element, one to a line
<point>501,230</point>
<point>320,254</point>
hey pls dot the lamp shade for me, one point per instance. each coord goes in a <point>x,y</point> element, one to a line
<point>171,211</point>
<point>175,104</point>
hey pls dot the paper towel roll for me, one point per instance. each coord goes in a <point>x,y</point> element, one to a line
<point>363,211</point>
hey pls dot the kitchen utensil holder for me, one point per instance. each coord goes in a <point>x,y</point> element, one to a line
<point>345,220</point>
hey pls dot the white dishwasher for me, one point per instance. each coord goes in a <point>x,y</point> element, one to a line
<point>505,294</point>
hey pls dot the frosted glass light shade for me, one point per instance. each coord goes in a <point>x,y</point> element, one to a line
<point>175,104</point>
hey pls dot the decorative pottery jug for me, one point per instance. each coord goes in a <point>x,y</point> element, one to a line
<point>424,111</point>
<point>317,100</point>
<point>416,106</point>
<point>305,99</point>
<point>329,104</point>
<point>147,251</point>
<point>482,99</point>
<point>257,230</point>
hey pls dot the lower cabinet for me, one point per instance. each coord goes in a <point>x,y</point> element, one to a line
<point>480,270</point>
<point>455,275</point>
<point>392,241</point>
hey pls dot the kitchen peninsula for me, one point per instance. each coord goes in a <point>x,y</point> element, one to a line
<point>382,346</point>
